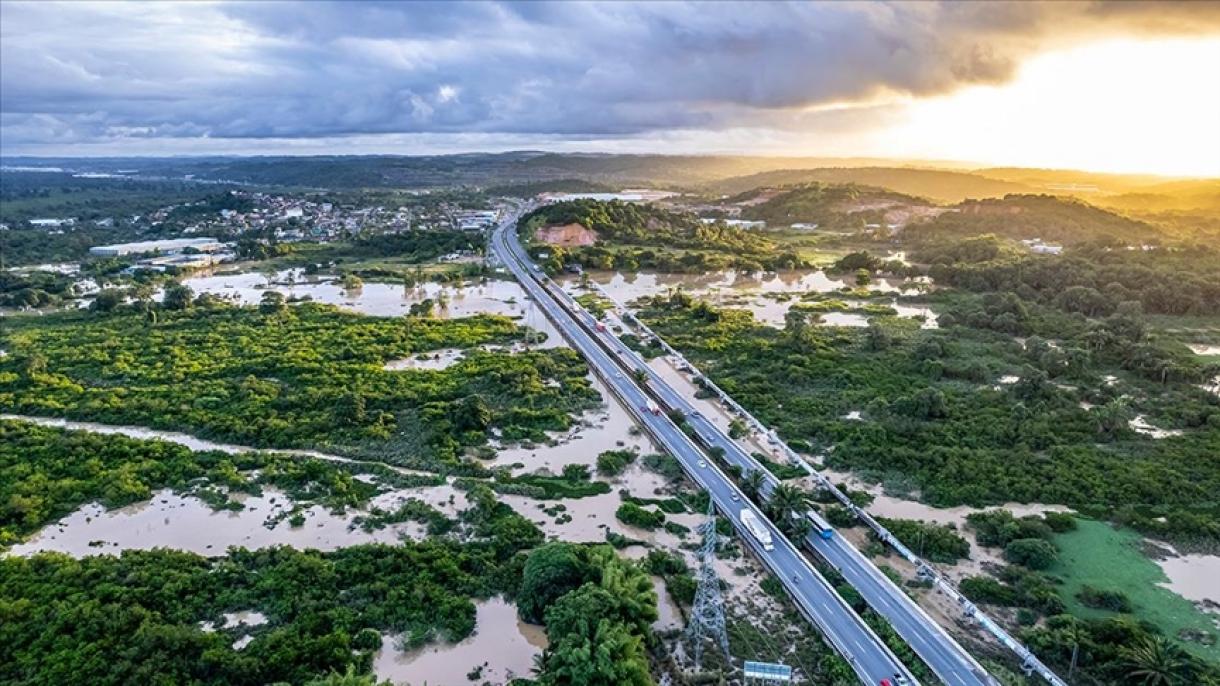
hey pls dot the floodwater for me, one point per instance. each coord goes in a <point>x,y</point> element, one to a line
<point>668,614</point>
<point>494,296</point>
<point>627,287</point>
<point>187,523</point>
<point>1194,577</point>
<point>1140,425</point>
<point>501,642</point>
<point>1204,349</point>
<point>756,293</point>
<point>608,428</point>
<point>433,359</point>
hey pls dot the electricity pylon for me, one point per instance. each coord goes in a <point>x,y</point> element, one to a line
<point>707,614</point>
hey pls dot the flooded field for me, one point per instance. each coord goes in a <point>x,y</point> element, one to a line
<point>494,296</point>
<point>1194,577</point>
<point>187,523</point>
<point>502,645</point>
<point>764,295</point>
<point>609,428</point>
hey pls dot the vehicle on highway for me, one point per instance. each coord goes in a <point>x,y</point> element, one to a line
<point>703,463</point>
<point>900,680</point>
<point>652,407</point>
<point>758,529</point>
<point>735,497</point>
<point>820,525</point>
<point>601,327</point>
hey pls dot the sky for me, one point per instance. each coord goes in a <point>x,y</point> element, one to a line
<point>1121,86</point>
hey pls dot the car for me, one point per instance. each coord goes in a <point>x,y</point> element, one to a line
<point>702,463</point>
<point>900,680</point>
<point>886,682</point>
<point>735,497</point>
<point>618,375</point>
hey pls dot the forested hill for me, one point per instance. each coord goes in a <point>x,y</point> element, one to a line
<point>936,184</point>
<point>827,205</point>
<point>1050,218</point>
<point>640,224</point>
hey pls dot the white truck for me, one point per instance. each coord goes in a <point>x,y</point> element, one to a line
<point>756,527</point>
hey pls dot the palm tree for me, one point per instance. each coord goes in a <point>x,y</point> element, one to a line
<point>752,483</point>
<point>787,507</point>
<point>1155,661</point>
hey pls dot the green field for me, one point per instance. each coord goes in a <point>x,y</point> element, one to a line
<point>1104,557</point>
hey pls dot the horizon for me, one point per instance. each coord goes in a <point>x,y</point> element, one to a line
<point>1096,87</point>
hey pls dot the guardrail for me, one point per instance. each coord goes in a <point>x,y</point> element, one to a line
<point>1029,662</point>
<point>699,478</point>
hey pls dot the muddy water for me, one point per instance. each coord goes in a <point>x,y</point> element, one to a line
<point>668,615</point>
<point>626,287</point>
<point>433,359</point>
<point>187,523</point>
<point>192,442</point>
<point>609,428</point>
<point>1140,425</point>
<point>382,299</point>
<point>502,642</point>
<point>1194,577</point>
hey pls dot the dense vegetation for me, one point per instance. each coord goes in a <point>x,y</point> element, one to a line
<point>830,206</point>
<point>137,618</point>
<point>1050,218</point>
<point>279,376</point>
<point>46,473</point>
<point>633,236</point>
<point>1116,648</point>
<point>1092,280</point>
<point>598,610</point>
<point>934,423</point>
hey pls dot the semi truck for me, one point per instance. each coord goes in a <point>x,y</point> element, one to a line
<point>757,528</point>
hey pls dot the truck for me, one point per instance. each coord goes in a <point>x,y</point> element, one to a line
<point>756,527</point>
<point>820,526</point>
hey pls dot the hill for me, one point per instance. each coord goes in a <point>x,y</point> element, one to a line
<point>832,206</point>
<point>1050,218</point>
<point>939,185</point>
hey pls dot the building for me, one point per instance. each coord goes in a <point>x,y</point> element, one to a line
<point>171,246</point>
<point>52,223</point>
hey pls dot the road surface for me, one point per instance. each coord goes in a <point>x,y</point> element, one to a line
<point>871,659</point>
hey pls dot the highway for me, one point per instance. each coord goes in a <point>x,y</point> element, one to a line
<point>945,656</point>
<point>871,659</point>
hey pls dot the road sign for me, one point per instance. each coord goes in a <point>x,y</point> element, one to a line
<point>767,671</point>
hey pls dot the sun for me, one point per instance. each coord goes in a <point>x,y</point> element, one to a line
<point>1132,106</point>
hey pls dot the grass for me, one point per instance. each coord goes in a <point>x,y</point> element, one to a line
<point>1104,557</point>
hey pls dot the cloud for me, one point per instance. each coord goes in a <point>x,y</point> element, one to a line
<point>99,73</point>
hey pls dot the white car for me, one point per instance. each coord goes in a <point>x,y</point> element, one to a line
<point>702,463</point>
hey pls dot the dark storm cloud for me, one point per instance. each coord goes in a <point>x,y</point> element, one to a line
<point>90,72</point>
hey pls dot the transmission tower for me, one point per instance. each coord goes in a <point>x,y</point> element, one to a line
<point>707,615</point>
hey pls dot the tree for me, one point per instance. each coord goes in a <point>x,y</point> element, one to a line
<point>107,300</point>
<point>752,483</point>
<point>178,297</point>
<point>600,653</point>
<point>640,376</point>
<point>1154,661</point>
<point>737,429</point>
<point>787,508</point>
<point>471,414</point>
<point>1034,553</point>
<point>272,302</point>
<point>549,572</point>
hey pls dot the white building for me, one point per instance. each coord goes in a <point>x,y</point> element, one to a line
<point>50,223</point>
<point>171,246</point>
